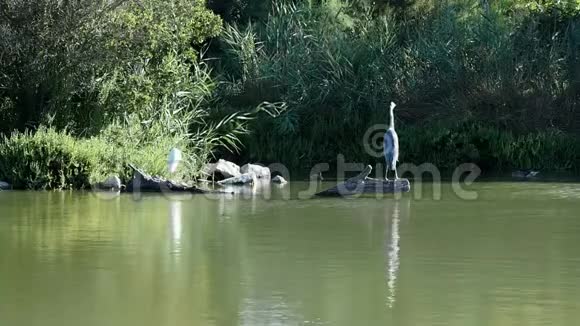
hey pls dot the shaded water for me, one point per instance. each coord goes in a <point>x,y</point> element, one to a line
<point>509,258</point>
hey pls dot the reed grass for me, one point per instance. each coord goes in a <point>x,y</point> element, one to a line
<point>446,64</point>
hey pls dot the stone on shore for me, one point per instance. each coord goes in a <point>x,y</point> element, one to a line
<point>261,172</point>
<point>222,169</point>
<point>5,185</point>
<point>112,183</point>
<point>279,180</point>
<point>244,179</point>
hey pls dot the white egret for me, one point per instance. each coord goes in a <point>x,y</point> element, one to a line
<point>175,157</point>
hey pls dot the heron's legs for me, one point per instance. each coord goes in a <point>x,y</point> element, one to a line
<point>395,169</point>
<point>387,174</point>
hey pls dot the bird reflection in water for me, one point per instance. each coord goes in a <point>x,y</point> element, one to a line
<point>392,250</point>
<point>176,225</point>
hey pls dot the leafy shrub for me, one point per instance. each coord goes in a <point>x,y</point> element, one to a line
<point>45,159</point>
<point>46,57</point>
<point>152,56</point>
<point>49,159</point>
<point>81,64</point>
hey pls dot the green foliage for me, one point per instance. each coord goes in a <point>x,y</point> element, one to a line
<point>240,10</point>
<point>81,64</point>
<point>48,159</point>
<point>51,159</point>
<point>127,76</point>
<point>150,29</point>
<point>559,7</point>
<point>152,57</point>
<point>45,159</point>
<point>44,57</point>
<point>490,148</point>
<point>127,82</point>
<point>440,61</point>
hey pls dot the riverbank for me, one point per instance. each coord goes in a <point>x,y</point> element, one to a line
<point>48,159</point>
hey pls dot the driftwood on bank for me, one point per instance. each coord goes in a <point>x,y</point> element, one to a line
<point>243,179</point>
<point>362,184</point>
<point>144,182</point>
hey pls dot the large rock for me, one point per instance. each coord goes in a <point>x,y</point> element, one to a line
<point>5,185</point>
<point>111,183</point>
<point>261,172</point>
<point>244,179</point>
<point>222,170</point>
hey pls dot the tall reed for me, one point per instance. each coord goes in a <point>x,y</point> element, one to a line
<point>453,62</point>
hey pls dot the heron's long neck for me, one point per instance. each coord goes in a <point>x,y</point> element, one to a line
<point>391,119</point>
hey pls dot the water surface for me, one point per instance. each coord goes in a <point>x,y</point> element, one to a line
<point>511,257</point>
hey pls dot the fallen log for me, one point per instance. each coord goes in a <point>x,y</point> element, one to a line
<point>144,182</point>
<point>243,179</point>
<point>362,184</point>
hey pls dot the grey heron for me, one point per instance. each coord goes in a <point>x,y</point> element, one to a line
<point>391,145</point>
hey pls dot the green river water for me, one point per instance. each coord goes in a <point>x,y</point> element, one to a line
<point>510,257</point>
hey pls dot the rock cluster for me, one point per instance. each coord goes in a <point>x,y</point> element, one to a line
<point>223,172</point>
<point>228,173</point>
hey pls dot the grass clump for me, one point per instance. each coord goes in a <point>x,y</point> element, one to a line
<point>45,159</point>
<point>51,159</point>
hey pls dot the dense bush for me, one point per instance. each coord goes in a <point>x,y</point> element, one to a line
<point>152,49</point>
<point>126,81</point>
<point>45,159</point>
<point>81,64</point>
<point>45,57</point>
